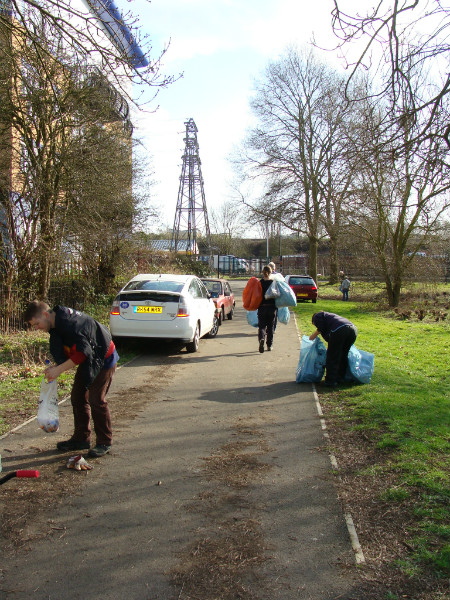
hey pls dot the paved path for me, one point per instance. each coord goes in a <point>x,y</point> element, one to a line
<point>223,448</point>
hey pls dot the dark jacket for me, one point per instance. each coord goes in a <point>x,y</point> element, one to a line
<point>265,284</point>
<point>327,323</point>
<point>90,337</point>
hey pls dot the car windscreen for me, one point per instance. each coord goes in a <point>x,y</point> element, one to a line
<point>155,285</point>
<point>300,281</point>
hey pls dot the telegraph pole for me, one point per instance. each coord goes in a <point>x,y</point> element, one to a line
<point>191,215</point>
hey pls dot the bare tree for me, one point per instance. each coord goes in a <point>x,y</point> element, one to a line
<point>227,225</point>
<point>102,35</point>
<point>34,140</point>
<point>399,36</point>
<point>294,147</point>
<point>103,207</point>
<point>403,195</point>
<point>66,163</point>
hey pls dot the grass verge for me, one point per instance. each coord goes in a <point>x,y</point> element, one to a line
<point>403,415</point>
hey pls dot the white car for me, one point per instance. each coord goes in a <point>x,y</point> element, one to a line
<point>164,306</point>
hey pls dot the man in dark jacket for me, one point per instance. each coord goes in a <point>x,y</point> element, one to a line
<point>340,333</point>
<point>78,341</point>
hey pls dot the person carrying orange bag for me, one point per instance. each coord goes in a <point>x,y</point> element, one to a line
<point>252,295</point>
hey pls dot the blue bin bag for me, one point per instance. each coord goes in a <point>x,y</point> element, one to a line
<point>252,318</point>
<point>284,315</point>
<point>361,365</point>
<point>286,297</point>
<point>313,356</point>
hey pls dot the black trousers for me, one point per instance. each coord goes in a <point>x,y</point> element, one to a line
<point>267,318</point>
<point>339,344</point>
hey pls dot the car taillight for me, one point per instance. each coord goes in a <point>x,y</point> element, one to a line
<point>182,308</point>
<point>115,310</point>
<point>313,287</point>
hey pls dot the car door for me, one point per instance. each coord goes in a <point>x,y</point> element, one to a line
<point>228,298</point>
<point>202,306</point>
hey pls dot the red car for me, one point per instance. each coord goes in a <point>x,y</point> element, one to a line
<point>222,297</point>
<point>303,286</point>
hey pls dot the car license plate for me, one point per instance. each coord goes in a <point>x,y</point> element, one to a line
<point>302,295</point>
<point>148,309</point>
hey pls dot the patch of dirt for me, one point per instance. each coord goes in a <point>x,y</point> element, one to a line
<point>222,563</point>
<point>23,502</point>
<point>383,526</point>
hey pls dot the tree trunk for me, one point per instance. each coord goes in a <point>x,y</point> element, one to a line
<point>334,265</point>
<point>393,288</point>
<point>312,259</point>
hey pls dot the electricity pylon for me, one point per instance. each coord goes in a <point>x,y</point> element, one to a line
<point>191,216</point>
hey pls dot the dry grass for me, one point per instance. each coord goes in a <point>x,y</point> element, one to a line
<point>222,564</point>
<point>383,526</point>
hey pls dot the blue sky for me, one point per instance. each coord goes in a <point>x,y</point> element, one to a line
<point>221,46</point>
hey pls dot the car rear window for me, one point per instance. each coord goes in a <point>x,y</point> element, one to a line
<point>156,286</point>
<point>213,287</point>
<point>301,281</point>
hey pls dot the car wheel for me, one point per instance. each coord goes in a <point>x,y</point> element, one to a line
<point>222,314</point>
<point>230,314</point>
<point>314,301</point>
<point>193,346</point>
<point>214,329</point>
<point>219,317</point>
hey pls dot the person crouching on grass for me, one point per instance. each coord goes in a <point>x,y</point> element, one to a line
<point>79,341</point>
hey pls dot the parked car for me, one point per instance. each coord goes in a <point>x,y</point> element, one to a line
<point>222,296</point>
<point>303,286</point>
<point>164,306</point>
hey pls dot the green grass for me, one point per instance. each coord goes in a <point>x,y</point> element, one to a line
<point>404,411</point>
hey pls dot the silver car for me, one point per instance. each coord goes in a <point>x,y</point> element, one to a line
<point>164,306</point>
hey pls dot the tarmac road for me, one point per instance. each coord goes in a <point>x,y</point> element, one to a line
<point>223,449</point>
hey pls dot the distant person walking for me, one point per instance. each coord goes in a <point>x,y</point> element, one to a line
<point>78,341</point>
<point>267,313</point>
<point>344,287</point>
<point>340,333</point>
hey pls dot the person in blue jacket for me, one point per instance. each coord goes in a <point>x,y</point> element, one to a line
<point>340,333</point>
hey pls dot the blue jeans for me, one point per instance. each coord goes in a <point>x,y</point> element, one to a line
<point>344,294</point>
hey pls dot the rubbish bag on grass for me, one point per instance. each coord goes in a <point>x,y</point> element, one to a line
<point>286,297</point>
<point>313,356</point>
<point>361,365</point>
<point>252,318</point>
<point>48,411</point>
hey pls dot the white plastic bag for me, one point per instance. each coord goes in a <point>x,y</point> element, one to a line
<point>48,411</point>
<point>272,291</point>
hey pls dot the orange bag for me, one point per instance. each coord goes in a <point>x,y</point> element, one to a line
<point>252,295</point>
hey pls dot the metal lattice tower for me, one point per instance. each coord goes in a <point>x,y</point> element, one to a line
<point>191,216</point>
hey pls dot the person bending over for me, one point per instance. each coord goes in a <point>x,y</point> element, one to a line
<point>79,341</point>
<point>340,333</point>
